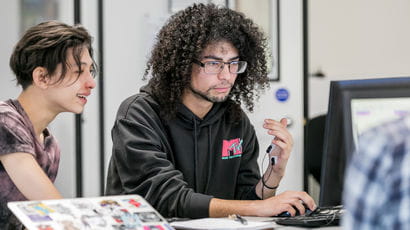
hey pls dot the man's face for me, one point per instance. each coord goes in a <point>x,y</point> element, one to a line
<point>213,87</point>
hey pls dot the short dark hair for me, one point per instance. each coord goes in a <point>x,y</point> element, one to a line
<point>182,40</point>
<point>46,45</point>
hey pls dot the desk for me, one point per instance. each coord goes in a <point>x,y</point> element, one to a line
<point>225,223</point>
<point>278,226</point>
<point>299,228</point>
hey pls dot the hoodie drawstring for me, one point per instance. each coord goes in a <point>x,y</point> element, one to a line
<point>211,158</point>
<point>195,155</point>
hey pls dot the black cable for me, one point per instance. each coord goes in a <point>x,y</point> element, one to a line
<point>270,172</point>
<point>264,182</point>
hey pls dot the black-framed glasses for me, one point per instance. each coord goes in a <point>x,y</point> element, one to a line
<point>214,67</point>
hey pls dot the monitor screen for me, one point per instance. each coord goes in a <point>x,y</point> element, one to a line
<point>354,107</point>
<point>371,112</point>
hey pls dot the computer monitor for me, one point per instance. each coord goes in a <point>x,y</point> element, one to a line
<point>355,106</point>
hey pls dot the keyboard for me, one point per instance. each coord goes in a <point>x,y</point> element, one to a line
<point>321,216</point>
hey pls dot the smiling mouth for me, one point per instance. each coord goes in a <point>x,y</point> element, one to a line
<point>81,96</point>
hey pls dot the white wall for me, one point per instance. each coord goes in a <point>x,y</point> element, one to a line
<point>90,132</point>
<point>10,22</point>
<point>353,39</point>
<point>291,78</point>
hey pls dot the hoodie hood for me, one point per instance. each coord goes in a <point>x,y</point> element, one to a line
<point>190,119</point>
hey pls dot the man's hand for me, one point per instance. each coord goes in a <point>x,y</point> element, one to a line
<point>289,201</point>
<point>283,143</point>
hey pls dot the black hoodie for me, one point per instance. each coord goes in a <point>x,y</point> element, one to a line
<point>178,165</point>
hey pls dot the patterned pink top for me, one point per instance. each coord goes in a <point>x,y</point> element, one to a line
<point>17,135</point>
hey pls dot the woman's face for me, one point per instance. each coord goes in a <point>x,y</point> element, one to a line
<point>70,95</point>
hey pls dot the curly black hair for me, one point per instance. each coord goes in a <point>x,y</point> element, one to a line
<point>182,40</point>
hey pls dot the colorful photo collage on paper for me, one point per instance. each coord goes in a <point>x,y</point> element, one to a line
<point>119,213</point>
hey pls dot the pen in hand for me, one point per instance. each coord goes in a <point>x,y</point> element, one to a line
<point>238,218</point>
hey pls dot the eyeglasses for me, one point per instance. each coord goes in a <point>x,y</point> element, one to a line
<point>213,67</point>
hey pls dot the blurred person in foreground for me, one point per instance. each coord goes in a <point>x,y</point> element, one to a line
<point>377,182</point>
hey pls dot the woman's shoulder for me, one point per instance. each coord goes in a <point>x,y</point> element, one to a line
<point>7,107</point>
<point>10,112</point>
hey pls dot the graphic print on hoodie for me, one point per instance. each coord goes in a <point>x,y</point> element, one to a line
<point>232,148</point>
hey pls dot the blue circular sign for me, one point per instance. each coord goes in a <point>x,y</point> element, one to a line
<point>282,94</point>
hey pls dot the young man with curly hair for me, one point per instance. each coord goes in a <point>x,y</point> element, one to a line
<point>184,142</point>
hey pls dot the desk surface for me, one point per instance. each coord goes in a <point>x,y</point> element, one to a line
<point>299,228</point>
<point>278,226</point>
<point>225,223</point>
